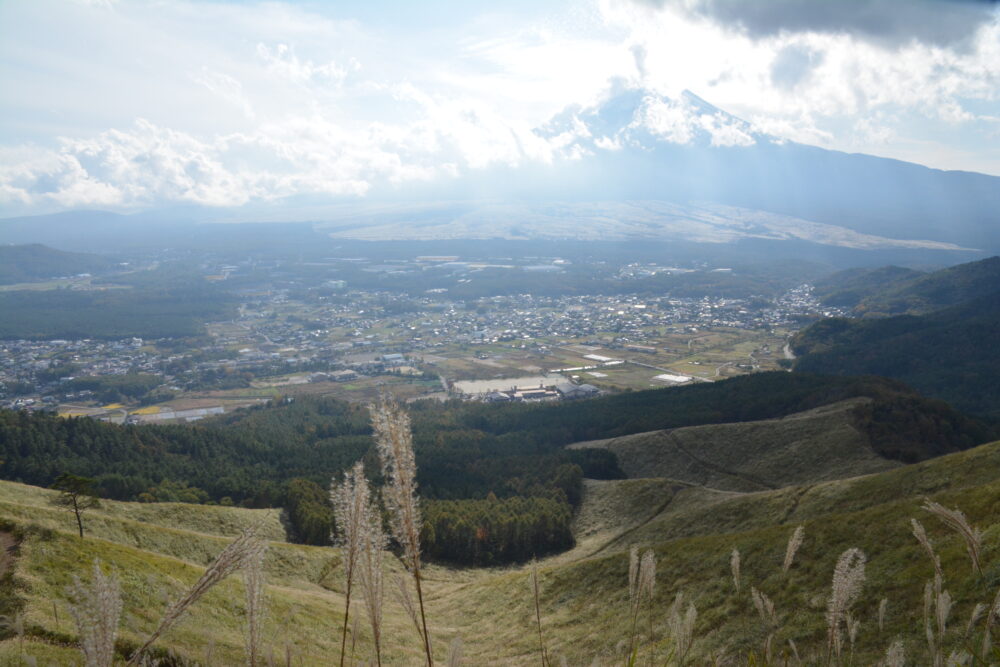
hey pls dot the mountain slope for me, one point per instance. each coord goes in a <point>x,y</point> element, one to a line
<point>950,354</point>
<point>805,447</point>
<point>933,291</point>
<point>848,288</point>
<point>583,599</point>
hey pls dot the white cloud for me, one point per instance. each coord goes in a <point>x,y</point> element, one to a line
<point>289,101</point>
<point>813,84</point>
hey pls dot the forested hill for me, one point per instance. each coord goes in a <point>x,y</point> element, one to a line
<point>896,291</point>
<point>848,288</point>
<point>23,263</point>
<point>499,482</point>
<point>113,313</point>
<point>463,450</point>
<point>950,354</point>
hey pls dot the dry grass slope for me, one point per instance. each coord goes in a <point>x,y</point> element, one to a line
<point>805,447</point>
<point>158,550</point>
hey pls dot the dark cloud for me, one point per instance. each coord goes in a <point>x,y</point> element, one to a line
<point>941,22</point>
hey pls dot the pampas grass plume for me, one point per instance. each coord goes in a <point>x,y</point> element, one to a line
<point>956,520</point>
<point>97,610</point>
<point>794,542</point>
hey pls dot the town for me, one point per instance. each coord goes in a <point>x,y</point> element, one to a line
<point>320,336</point>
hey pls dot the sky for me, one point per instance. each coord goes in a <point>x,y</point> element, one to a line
<point>130,105</point>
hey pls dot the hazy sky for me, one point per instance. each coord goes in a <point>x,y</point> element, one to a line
<point>131,104</point>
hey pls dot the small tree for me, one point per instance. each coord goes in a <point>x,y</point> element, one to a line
<point>77,494</point>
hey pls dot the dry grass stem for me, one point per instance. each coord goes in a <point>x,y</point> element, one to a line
<point>97,610</point>
<point>641,585</point>
<point>253,587</point>
<point>925,543</point>
<point>883,605</point>
<point>956,520</point>
<point>234,557</point>
<point>795,652</point>
<point>394,441</point>
<point>370,574</point>
<point>352,508</point>
<point>538,612</point>
<point>974,617</point>
<point>405,600</point>
<point>853,627</point>
<point>794,542</point>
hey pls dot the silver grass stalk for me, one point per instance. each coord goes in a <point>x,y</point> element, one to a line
<point>370,574</point>
<point>848,578</point>
<point>97,610</point>
<point>405,600</point>
<point>974,618</point>
<point>350,499</point>
<point>895,655</point>
<point>795,652</point>
<point>794,542</point>
<point>764,606</point>
<point>235,556</point>
<point>354,636</point>
<point>641,585</point>
<point>681,627</point>
<point>937,608</point>
<point>853,627</point>
<point>925,543</point>
<point>402,594</point>
<point>942,611</point>
<point>928,624</point>
<point>394,441</point>
<point>734,566</point>
<point>956,520</point>
<point>633,576</point>
<point>535,591</point>
<point>253,588</point>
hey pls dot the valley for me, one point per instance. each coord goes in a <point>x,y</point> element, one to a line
<point>157,548</point>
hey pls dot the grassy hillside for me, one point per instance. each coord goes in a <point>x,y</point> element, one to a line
<point>24,263</point>
<point>950,354</point>
<point>812,446</point>
<point>584,603</point>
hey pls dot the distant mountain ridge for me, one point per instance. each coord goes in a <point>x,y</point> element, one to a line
<point>23,263</point>
<point>945,352</point>
<point>893,290</point>
<point>639,165</point>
